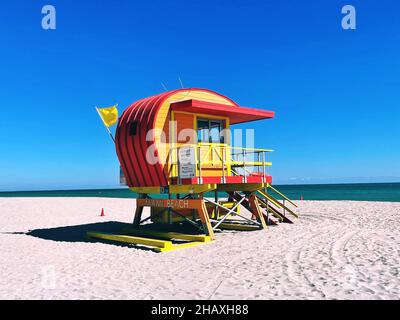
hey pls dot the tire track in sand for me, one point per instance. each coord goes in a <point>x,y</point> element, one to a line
<point>295,267</point>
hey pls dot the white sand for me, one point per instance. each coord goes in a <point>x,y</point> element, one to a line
<point>337,250</point>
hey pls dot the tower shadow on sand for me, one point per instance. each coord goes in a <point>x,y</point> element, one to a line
<point>77,233</point>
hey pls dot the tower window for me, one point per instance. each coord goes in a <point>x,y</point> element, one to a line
<point>210,131</point>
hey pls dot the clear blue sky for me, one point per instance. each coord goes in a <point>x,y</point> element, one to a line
<point>335,92</point>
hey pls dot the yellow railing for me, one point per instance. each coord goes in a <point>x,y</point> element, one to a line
<point>229,160</point>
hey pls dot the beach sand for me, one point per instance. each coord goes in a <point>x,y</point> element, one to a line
<point>336,250</point>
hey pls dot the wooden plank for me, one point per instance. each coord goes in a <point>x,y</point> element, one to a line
<point>130,239</point>
<point>150,190</point>
<point>241,187</point>
<point>205,219</point>
<point>179,246</point>
<point>192,188</point>
<point>239,227</point>
<point>277,203</point>
<point>189,188</point>
<point>282,195</point>
<point>271,209</point>
<point>256,210</point>
<point>175,204</point>
<point>274,212</point>
<point>238,164</point>
<point>270,198</point>
<point>168,235</point>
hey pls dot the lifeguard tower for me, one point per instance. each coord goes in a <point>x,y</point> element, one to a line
<point>176,153</point>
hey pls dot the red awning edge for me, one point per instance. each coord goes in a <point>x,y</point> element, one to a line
<point>236,114</point>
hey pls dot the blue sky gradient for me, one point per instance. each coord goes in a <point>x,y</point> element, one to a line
<point>335,92</point>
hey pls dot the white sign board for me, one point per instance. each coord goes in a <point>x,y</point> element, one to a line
<point>187,165</point>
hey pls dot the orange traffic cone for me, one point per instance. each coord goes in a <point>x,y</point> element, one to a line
<point>102,212</point>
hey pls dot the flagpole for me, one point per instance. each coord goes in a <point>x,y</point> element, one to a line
<point>109,132</point>
<point>107,128</point>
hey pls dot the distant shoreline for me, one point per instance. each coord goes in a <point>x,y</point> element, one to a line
<point>383,191</point>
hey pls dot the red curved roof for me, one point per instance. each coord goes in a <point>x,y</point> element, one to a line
<point>131,149</point>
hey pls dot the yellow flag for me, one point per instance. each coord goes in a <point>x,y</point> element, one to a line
<point>108,115</point>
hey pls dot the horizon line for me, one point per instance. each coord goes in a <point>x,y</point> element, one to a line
<point>127,188</point>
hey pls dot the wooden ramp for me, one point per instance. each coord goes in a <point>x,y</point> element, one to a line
<point>168,235</point>
<point>230,225</point>
<point>271,209</point>
<point>157,244</point>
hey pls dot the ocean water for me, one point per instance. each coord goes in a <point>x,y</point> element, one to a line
<point>350,191</point>
<point>353,191</point>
